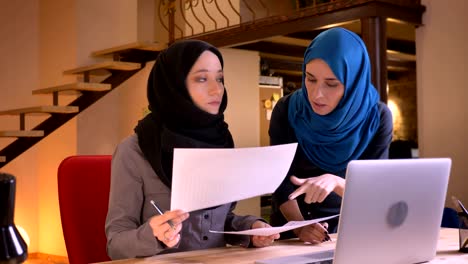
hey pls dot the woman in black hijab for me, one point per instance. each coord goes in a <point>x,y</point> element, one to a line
<point>187,100</point>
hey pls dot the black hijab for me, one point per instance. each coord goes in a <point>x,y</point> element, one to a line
<point>175,121</point>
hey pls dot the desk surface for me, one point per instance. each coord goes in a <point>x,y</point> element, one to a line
<point>447,252</point>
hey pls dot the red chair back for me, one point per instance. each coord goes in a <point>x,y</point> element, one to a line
<point>83,190</point>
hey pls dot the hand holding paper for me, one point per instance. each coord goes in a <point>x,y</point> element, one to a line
<point>268,231</point>
<point>263,241</point>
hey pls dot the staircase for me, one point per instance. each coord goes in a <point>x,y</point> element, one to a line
<point>126,61</point>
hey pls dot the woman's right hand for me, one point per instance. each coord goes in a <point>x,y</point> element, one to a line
<point>163,231</point>
<point>316,189</point>
<point>315,233</point>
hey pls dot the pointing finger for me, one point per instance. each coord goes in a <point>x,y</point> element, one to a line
<point>302,189</point>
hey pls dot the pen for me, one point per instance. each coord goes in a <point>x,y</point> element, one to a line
<point>161,213</point>
<point>461,211</point>
<point>465,243</point>
<point>463,208</point>
<point>456,204</point>
<point>459,207</point>
<point>464,217</point>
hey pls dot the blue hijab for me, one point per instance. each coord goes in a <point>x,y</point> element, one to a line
<point>331,141</point>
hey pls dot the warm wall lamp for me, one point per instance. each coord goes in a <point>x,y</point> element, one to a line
<point>13,249</point>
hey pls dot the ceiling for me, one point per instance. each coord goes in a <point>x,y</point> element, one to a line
<point>283,55</point>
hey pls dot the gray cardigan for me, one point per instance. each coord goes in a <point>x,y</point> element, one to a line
<point>133,184</point>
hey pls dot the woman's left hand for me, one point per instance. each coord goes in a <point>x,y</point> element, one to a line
<point>316,189</point>
<point>263,241</point>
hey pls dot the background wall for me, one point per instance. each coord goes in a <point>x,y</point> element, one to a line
<point>241,73</point>
<point>103,24</point>
<point>57,49</point>
<point>442,88</point>
<point>19,74</point>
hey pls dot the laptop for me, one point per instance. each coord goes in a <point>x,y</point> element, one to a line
<point>391,213</point>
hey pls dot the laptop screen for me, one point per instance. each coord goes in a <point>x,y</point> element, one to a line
<point>391,212</point>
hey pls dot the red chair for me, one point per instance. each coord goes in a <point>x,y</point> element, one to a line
<point>83,190</point>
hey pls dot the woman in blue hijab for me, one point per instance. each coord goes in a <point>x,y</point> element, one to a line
<point>335,117</point>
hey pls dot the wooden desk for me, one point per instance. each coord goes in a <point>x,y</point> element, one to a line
<point>447,252</point>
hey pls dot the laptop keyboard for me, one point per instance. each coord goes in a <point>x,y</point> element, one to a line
<point>323,257</point>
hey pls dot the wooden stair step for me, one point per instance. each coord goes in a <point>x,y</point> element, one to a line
<point>75,87</point>
<point>146,46</point>
<point>22,133</point>
<point>102,67</point>
<point>2,159</point>
<point>49,109</point>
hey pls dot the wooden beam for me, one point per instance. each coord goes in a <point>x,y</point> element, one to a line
<point>2,159</point>
<point>280,57</point>
<point>48,109</point>
<point>102,67</point>
<point>148,46</point>
<point>22,133</point>
<point>374,35</point>
<point>78,86</point>
<point>289,41</point>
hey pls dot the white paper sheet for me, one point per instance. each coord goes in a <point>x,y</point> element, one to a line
<point>204,178</point>
<point>268,231</point>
